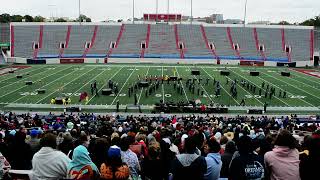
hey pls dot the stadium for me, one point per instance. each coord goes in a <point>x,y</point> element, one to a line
<point>166,96</point>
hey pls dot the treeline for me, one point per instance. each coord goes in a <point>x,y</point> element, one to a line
<point>7,18</point>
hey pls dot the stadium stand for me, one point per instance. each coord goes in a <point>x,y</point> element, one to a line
<point>53,35</point>
<point>317,39</point>
<point>163,41</point>
<point>78,37</point>
<point>195,46</point>
<point>4,33</point>
<point>130,42</point>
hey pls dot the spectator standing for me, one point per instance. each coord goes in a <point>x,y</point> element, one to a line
<point>226,158</point>
<point>129,157</point>
<point>213,159</point>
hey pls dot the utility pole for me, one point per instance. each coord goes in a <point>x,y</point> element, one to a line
<point>191,11</point>
<point>80,12</point>
<point>245,14</point>
<point>133,11</point>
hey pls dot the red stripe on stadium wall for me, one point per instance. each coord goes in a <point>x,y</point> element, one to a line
<point>176,33</point>
<point>12,41</point>
<point>93,39</point>
<point>256,38</point>
<point>67,40</point>
<point>231,42</point>
<point>36,51</point>
<point>311,44</point>
<point>283,39</point>
<point>147,41</point>
<point>205,38</point>
<point>118,40</point>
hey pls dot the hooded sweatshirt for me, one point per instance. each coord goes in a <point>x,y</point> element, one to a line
<point>49,164</point>
<point>214,165</point>
<point>189,166</point>
<point>283,163</point>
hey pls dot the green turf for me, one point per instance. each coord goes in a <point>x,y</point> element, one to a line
<point>70,80</point>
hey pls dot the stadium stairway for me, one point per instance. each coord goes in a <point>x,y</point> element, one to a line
<point>122,29</point>
<point>257,42</point>
<point>204,36</point>
<point>176,34</point>
<point>146,41</point>
<point>93,39</point>
<point>232,44</point>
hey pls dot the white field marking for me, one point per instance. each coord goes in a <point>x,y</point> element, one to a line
<point>182,85</point>
<point>88,82</point>
<point>106,83</point>
<point>284,90</point>
<point>63,86</point>
<point>261,88</point>
<point>222,87</point>
<point>142,87</point>
<point>247,92</point>
<point>292,86</point>
<point>301,74</point>
<point>14,75</point>
<point>202,87</point>
<point>298,74</point>
<point>304,83</point>
<point>162,85</point>
<point>46,85</point>
<point>134,69</point>
<point>35,81</point>
<point>23,79</point>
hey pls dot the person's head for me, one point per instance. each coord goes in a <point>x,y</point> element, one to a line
<point>154,150</point>
<point>84,140</point>
<point>125,143</point>
<point>49,140</point>
<point>190,146</point>
<point>314,149</point>
<point>285,138</point>
<point>114,156</point>
<point>212,146</point>
<point>230,147</point>
<point>245,145</point>
<point>34,133</point>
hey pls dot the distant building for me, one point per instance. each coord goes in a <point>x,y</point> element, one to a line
<point>233,21</point>
<point>217,18</point>
<point>261,22</point>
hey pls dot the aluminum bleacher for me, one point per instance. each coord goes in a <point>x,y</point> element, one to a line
<point>130,42</point>
<point>105,35</point>
<point>317,39</point>
<point>162,42</point>
<point>52,36</point>
<point>4,33</point>
<point>78,37</point>
<point>195,45</point>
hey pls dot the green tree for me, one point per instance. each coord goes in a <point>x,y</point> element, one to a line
<point>28,18</point>
<point>84,17</point>
<point>16,18</point>
<point>60,20</point>
<point>39,19</point>
<point>5,18</point>
<point>284,23</point>
<point>312,22</point>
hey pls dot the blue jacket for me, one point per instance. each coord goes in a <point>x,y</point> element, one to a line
<point>214,165</point>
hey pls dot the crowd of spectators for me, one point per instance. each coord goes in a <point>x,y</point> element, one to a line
<point>89,146</point>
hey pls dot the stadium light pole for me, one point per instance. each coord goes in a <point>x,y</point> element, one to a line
<point>80,12</point>
<point>191,11</point>
<point>133,11</point>
<point>245,13</point>
<point>157,1</point>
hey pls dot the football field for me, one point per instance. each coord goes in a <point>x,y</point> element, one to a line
<point>302,90</point>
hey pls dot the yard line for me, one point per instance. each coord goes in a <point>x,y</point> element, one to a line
<point>182,85</point>
<point>162,86</point>
<point>23,79</point>
<point>105,83</point>
<point>31,70</point>
<point>262,88</point>
<point>301,75</point>
<point>292,85</point>
<point>89,82</point>
<point>47,84</point>
<point>134,69</point>
<point>202,86</point>
<point>64,86</point>
<point>142,87</point>
<point>284,90</point>
<point>305,83</point>
<point>36,81</point>
<point>221,86</point>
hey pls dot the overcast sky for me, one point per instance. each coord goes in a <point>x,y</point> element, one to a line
<point>99,10</point>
